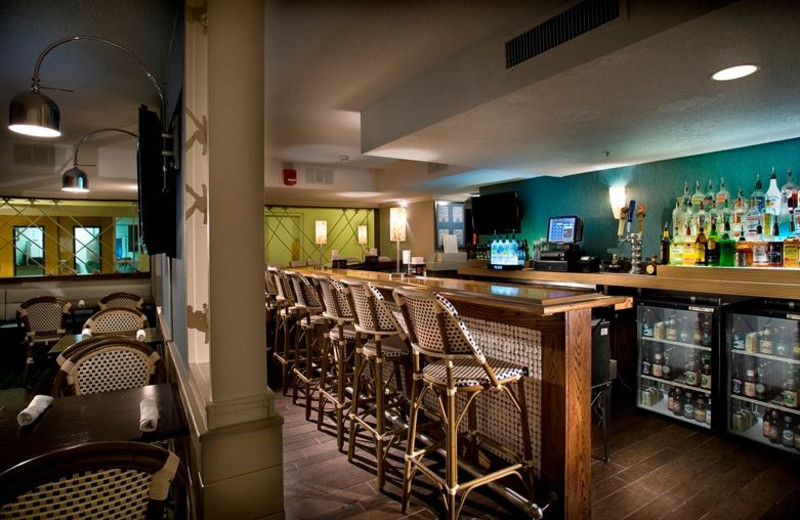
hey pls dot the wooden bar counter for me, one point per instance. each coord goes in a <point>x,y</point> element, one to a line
<point>554,322</point>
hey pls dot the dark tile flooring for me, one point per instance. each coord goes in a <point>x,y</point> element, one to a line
<point>658,469</point>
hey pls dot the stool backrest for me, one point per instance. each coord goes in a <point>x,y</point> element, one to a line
<point>284,286</point>
<point>44,315</point>
<point>367,305</point>
<point>305,292</point>
<point>270,289</point>
<point>334,298</point>
<point>434,326</point>
<point>116,320</point>
<point>121,300</point>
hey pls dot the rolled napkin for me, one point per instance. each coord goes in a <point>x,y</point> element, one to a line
<point>140,335</point>
<point>148,415</point>
<point>38,405</point>
<point>86,333</point>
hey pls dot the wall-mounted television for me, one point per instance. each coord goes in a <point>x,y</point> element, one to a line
<point>496,213</point>
<point>157,188</point>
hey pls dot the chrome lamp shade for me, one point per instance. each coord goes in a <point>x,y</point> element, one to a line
<point>75,180</point>
<point>32,113</point>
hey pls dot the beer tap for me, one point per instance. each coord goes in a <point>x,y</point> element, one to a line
<point>635,239</point>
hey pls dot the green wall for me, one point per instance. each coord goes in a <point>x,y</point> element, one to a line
<point>654,184</point>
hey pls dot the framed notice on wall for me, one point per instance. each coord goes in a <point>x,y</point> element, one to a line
<point>449,221</point>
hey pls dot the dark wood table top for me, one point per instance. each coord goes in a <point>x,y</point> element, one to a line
<point>108,416</point>
<point>152,335</point>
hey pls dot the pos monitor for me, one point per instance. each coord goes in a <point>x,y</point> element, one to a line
<point>565,231</point>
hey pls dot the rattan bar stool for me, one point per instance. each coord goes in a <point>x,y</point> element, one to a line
<point>307,361</point>
<point>336,372</point>
<point>456,366</point>
<point>285,330</point>
<point>378,339</point>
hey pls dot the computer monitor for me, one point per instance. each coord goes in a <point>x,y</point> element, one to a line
<point>565,230</point>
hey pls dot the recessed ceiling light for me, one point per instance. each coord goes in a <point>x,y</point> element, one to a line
<point>736,72</point>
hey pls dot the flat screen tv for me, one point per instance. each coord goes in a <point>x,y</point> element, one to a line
<point>496,213</point>
<point>157,188</point>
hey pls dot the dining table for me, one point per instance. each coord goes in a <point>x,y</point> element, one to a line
<point>152,337</point>
<point>106,416</point>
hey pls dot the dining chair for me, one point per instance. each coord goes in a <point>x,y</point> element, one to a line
<point>116,320</point>
<point>118,479</point>
<point>45,322</point>
<point>105,365</point>
<point>286,330</point>
<point>120,300</point>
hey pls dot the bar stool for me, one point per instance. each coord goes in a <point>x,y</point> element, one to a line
<point>285,321</point>
<point>376,323</point>
<point>308,361</point>
<point>342,334</point>
<point>456,366</point>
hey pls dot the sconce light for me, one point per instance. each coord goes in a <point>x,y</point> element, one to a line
<point>34,114</point>
<point>618,197</point>
<point>362,235</point>
<point>397,224</point>
<point>321,232</point>
<point>75,179</point>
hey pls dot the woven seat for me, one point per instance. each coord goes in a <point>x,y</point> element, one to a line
<point>379,339</point>
<point>96,480</point>
<point>349,333</point>
<point>106,364</point>
<point>121,300</point>
<point>44,319</point>
<point>116,320</point>
<point>456,366</point>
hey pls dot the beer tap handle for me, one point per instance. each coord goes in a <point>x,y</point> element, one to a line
<point>631,208</point>
<point>640,214</point>
<point>623,217</point>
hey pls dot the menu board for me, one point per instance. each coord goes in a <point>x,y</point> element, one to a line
<point>449,221</point>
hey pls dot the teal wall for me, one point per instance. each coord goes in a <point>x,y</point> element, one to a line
<point>654,184</point>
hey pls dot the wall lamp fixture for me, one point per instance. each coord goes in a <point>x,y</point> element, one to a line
<point>75,179</point>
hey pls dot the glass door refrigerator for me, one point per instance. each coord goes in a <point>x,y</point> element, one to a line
<point>763,366</point>
<point>678,357</point>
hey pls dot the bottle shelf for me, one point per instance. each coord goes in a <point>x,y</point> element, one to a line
<point>765,356</point>
<point>776,403</point>
<point>754,433</point>
<point>676,343</point>
<point>661,408</point>
<point>676,382</point>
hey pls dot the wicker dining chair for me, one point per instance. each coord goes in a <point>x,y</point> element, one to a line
<point>456,365</point>
<point>97,480</point>
<point>45,322</point>
<point>105,365</point>
<point>337,358</point>
<point>121,300</point>
<point>116,320</point>
<point>379,339</point>
<point>285,335</point>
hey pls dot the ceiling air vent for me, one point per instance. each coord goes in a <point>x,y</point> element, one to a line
<point>39,155</point>
<point>563,27</point>
<point>319,176</point>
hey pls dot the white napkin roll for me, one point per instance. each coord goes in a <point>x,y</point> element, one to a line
<point>148,415</point>
<point>86,333</point>
<point>140,335</point>
<point>38,405</point>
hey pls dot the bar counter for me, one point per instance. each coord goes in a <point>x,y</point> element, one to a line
<point>548,328</point>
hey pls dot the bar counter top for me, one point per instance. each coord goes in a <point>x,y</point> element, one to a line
<point>543,300</point>
<point>763,282</point>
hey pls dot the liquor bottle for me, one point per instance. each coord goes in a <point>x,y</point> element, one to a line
<point>775,427</point>
<point>677,218</point>
<point>757,198</point>
<point>713,253</point>
<point>723,213</point>
<point>658,361</point>
<point>759,245</point>
<point>700,409</point>
<point>750,382</point>
<point>701,248</point>
<point>761,386</point>
<point>775,248</point>
<point>722,195</point>
<point>697,197</point>
<point>765,422</point>
<point>711,196</point>
<point>743,253</point>
<point>686,198</point>
<point>690,371</point>
<point>737,215</point>
<point>790,390</point>
<point>675,251</point>
<point>672,328</point>
<point>727,247</point>
<point>701,219</point>
<point>688,405</point>
<point>646,365</point>
<point>791,251</point>
<point>765,345</point>
<point>736,380</point>
<point>677,405</point>
<point>671,399</point>
<point>705,375</point>
<point>666,367</point>
<point>689,254</point>
<point>752,221</point>
<point>648,322</point>
<point>787,432</point>
<point>772,199</point>
<point>665,245</point>
<point>789,203</point>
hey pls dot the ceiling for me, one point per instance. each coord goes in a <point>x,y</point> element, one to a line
<point>396,85</point>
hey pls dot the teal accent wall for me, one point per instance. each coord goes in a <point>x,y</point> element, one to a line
<point>655,184</point>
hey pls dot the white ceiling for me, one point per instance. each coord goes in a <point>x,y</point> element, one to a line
<point>425,78</point>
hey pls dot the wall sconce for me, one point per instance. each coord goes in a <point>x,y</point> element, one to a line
<point>34,114</point>
<point>321,235</point>
<point>75,179</point>
<point>618,198</point>
<point>362,235</point>
<point>397,228</point>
